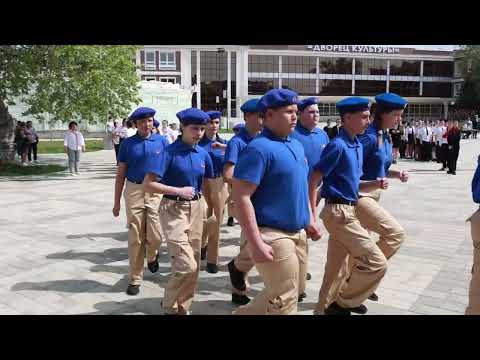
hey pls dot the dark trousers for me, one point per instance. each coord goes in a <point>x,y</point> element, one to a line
<point>32,147</point>
<point>418,150</point>
<point>426,151</point>
<point>403,147</point>
<point>444,155</point>
<point>452,159</point>
<point>116,147</point>
<point>437,152</point>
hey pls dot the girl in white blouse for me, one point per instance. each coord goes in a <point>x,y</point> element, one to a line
<point>73,143</point>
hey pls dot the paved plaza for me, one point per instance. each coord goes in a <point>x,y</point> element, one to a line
<point>63,252</point>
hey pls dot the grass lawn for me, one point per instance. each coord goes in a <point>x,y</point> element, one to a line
<point>17,170</point>
<point>56,147</point>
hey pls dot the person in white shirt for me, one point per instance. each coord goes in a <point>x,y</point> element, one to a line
<point>418,140</point>
<point>73,143</point>
<point>116,136</point>
<point>442,142</point>
<point>410,134</point>
<point>131,128</point>
<point>167,133</point>
<point>425,133</point>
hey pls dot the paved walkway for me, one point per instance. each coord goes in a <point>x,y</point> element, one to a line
<point>64,253</point>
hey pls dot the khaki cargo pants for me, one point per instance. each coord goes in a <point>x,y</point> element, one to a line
<point>281,276</point>
<point>215,206</point>
<point>144,230</point>
<point>182,225</point>
<point>348,237</point>
<point>373,217</point>
<point>473,307</point>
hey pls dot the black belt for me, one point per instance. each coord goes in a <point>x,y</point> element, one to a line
<point>136,182</point>
<point>341,201</point>
<point>179,198</point>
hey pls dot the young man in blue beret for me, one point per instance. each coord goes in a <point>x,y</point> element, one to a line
<point>144,231</point>
<point>239,267</point>
<point>275,227</point>
<point>340,169</point>
<point>313,140</point>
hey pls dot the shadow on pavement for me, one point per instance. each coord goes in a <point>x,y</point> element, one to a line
<point>120,236</point>
<point>105,257</point>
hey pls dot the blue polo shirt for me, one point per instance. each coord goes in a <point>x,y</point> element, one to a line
<point>341,166</point>
<point>236,145</point>
<point>279,169</point>
<point>216,154</point>
<point>313,142</point>
<point>182,165</point>
<point>476,184</point>
<point>135,150</point>
<point>376,159</point>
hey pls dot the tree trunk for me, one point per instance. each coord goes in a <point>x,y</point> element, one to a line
<point>7,125</point>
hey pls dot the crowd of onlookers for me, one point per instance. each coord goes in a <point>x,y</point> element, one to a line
<point>127,128</point>
<point>26,140</point>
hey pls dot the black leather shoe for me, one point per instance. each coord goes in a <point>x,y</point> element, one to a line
<point>240,299</point>
<point>212,268</point>
<point>133,289</point>
<point>301,297</point>
<point>230,221</point>
<point>362,309</point>
<point>203,253</point>
<point>373,297</point>
<point>237,278</point>
<point>309,276</point>
<point>153,266</point>
<point>335,309</point>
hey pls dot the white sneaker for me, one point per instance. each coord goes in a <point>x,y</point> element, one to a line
<point>24,164</point>
<point>73,174</point>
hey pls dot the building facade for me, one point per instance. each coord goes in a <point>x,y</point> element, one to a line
<point>223,77</point>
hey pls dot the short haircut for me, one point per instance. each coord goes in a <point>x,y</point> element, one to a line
<point>71,123</point>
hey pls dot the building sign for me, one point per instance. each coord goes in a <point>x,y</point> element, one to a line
<point>355,49</point>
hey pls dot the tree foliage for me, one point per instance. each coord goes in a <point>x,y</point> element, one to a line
<point>470,95</point>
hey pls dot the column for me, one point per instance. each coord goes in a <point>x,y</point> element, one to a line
<point>199,84</point>
<point>280,71</point>
<point>238,84</point>
<point>317,79</point>
<point>229,86</point>
<point>445,110</point>
<point>186,68</point>
<point>388,75</point>
<point>421,78</point>
<point>353,76</point>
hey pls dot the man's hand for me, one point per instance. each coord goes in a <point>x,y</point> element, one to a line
<point>219,145</point>
<point>116,210</point>
<point>382,183</point>
<point>262,253</point>
<point>403,176</point>
<point>186,192</point>
<point>313,232</point>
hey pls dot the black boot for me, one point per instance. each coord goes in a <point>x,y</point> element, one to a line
<point>237,278</point>
<point>203,253</point>
<point>133,289</point>
<point>230,221</point>
<point>153,266</point>
<point>301,297</point>
<point>240,299</point>
<point>212,268</point>
<point>373,297</point>
<point>309,276</point>
<point>335,309</point>
<point>362,309</point>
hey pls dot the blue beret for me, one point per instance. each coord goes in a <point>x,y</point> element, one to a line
<point>156,123</point>
<point>250,106</point>
<point>142,113</point>
<point>277,98</point>
<point>239,126</point>
<point>193,116</point>
<point>391,101</point>
<point>214,114</point>
<point>353,104</point>
<point>307,102</point>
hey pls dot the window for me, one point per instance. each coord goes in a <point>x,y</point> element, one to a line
<point>405,88</point>
<point>437,89</point>
<point>300,86</point>
<point>328,109</point>
<point>259,86</point>
<point>149,78</point>
<point>404,68</point>
<point>168,80</point>
<point>370,87</point>
<point>335,87</point>
<point>438,68</point>
<point>149,60</point>
<point>336,66</point>
<point>371,67</point>
<point>167,60</point>
<point>299,64</point>
<point>263,63</point>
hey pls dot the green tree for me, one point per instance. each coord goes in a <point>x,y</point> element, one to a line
<point>470,95</point>
<point>87,82</point>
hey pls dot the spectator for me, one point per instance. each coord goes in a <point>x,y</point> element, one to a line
<point>116,137</point>
<point>131,128</point>
<point>174,128</point>
<point>21,142</point>
<point>73,143</point>
<point>32,139</point>
<point>403,139</point>
<point>395,136</point>
<point>327,128</point>
<point>410,134</point>
<point>453,138</point>
<point>167,133</point>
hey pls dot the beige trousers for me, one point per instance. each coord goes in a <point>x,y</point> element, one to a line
<point>281,276</point>
<point>215,205</point>
<point>348,237</point>
<point>473,307</point>
<point>182,225</point>
<point>375,218</point>
<point>144,231</point>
